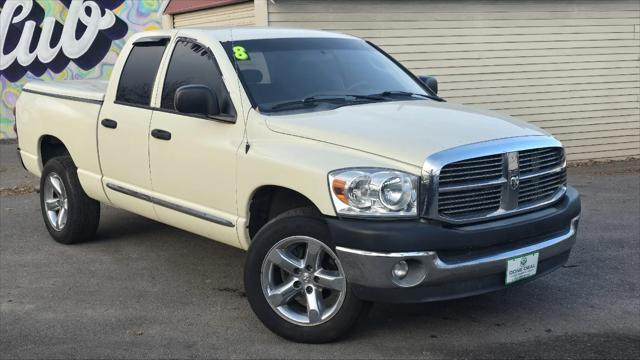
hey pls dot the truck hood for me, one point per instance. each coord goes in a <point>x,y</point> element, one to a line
<point>407,131</point>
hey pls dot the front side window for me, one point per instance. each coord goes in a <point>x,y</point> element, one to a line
<point>139,73</point>
<point>281,72</point>
<point>193,64</point>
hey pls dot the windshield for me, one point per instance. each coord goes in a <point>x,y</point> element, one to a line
<point>318,73</point>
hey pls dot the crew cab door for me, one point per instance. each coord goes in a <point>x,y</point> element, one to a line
<point>123,127</point>
<point>193,157</point>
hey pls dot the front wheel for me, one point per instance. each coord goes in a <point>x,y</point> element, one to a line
<point>295,283</point>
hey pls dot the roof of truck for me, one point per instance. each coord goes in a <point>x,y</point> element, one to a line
<point>248,33</point>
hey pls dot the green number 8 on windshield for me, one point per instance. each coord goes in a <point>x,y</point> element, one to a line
<point>240,53</point>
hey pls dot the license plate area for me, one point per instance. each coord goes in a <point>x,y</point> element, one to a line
<point>521,267</point>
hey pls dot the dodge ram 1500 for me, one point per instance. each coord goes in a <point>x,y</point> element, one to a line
<point>345,177</point>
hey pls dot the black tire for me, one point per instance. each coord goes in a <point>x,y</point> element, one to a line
<point>83,213</point>
<point>297,222</point>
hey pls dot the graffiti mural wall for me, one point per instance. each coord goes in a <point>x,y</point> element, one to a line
<point>64,40</point>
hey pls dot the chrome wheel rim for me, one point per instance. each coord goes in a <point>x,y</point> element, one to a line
<point>303,281</point>
<point>56,203</point>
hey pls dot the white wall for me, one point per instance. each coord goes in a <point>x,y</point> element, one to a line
<point>571,67</point>
<point>232,15</point>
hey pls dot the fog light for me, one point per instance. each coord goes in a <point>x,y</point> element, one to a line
<point>400,270</point>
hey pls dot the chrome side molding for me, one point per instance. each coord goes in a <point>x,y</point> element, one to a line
<point>169,205</point>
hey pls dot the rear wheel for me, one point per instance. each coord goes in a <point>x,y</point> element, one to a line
<point>295,283</point>
<point>69,214</point>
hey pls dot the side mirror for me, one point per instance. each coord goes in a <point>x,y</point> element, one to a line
<point>431,82</point>
<point>196,99</point>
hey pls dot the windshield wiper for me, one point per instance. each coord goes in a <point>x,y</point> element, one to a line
<point>316,99</point>
<point>408,94</point>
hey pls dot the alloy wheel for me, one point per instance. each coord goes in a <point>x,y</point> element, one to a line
<point>303,281</point>
<point>56,202</point>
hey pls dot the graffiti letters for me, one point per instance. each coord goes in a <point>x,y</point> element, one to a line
<point>31,42</point>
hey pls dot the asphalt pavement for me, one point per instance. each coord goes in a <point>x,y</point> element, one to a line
<point>146,290</point>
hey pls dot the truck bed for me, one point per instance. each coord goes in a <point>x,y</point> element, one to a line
<point>90,90</point>
<point>64,112</point>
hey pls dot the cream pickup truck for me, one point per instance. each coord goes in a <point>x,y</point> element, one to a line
<point>344,176</point>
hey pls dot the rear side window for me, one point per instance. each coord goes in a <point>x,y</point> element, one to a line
<point>193,64</point>
<point>139,73</point>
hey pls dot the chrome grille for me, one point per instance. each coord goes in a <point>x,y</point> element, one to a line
<point>480,169</point>
<point>541,188</point>
<point>536,160</point>
<point>484,200</point>
<point>482,187</point>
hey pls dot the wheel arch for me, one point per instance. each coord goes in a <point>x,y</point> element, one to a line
<point>50,146</point>
<point>268,201</point>
<point>86,162</point>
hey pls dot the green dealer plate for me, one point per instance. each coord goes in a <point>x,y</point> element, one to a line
<point>521,267</point>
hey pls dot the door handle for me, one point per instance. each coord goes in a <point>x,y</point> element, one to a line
<point>108,123</point>
<point>161,134</point>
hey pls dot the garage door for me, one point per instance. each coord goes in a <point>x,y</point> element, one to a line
<point>571,67</point>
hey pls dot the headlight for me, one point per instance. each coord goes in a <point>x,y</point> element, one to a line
<point>374,192</point>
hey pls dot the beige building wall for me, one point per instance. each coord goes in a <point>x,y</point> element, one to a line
<point>571,67</point>
<point>242,14</point>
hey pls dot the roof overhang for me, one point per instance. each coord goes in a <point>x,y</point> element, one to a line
<point>184,6</point>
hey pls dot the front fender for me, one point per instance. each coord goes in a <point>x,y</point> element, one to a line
<point>298,164</point>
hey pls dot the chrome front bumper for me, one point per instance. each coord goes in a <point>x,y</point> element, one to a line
<point>426,268</point>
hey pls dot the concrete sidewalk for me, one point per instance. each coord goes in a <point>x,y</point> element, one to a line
<point>146,290</point>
